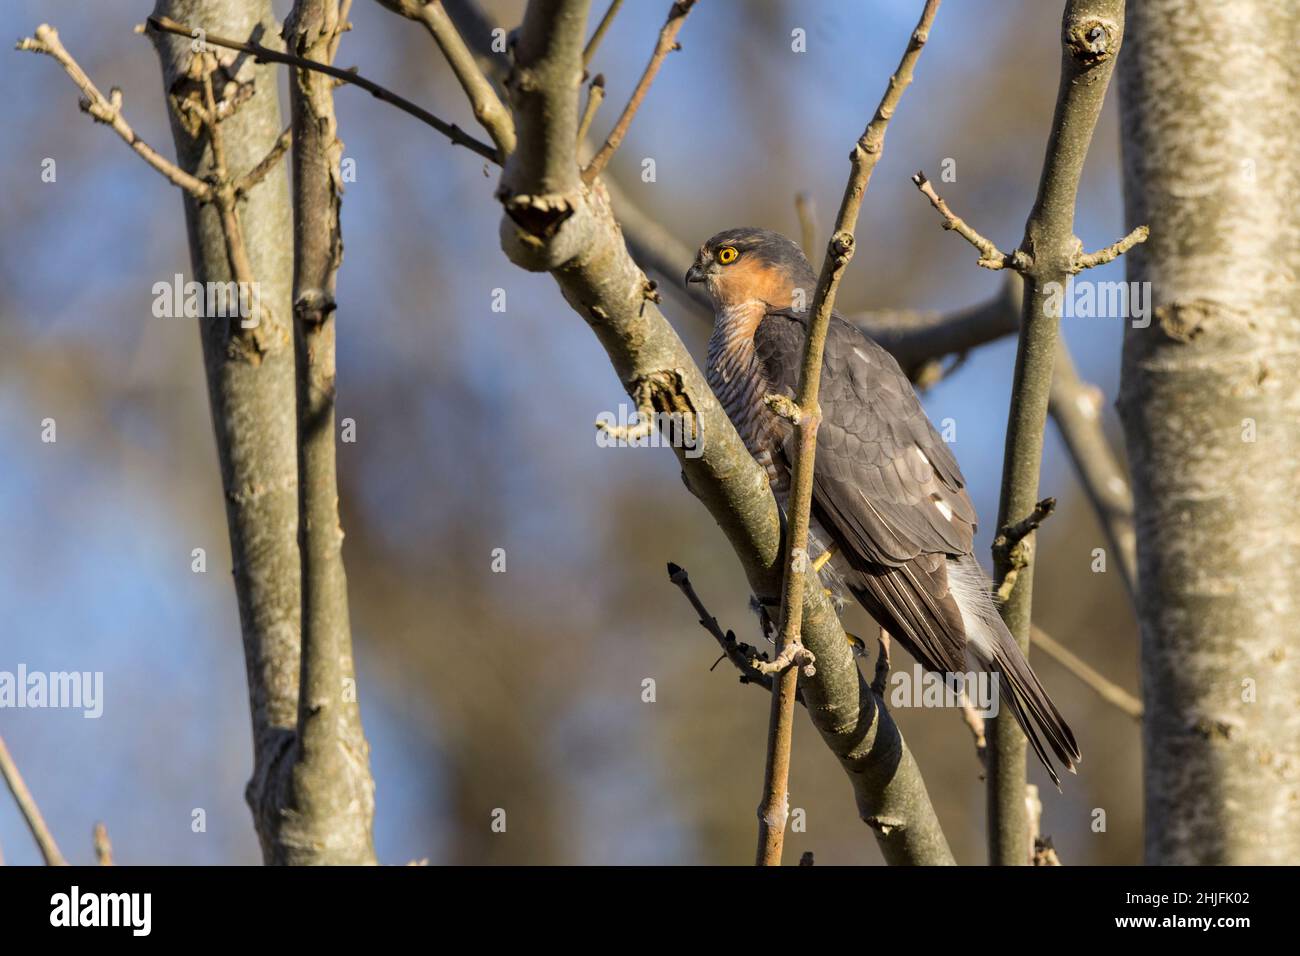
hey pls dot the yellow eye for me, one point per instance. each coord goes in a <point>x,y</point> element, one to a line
<point>727,255</point>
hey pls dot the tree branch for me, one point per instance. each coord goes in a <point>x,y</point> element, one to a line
<point>109,111</point>
<point>251,403</point>
<point>806,420</point>
<point>553,222</point>
<point>1209,399</point>
<point>262,54</point>
<point>806,210</point>
<point>30,811</point>
<point>595,96</point>
<point>102,844</point>
<point>1075,406</point>
<point>332,791</point>
<point>991,257</point>
<point>268,163</point>
<point>251,343</point>
<point>744,657</point>
<point>1013,547</point>
<point>919,340</point>
<point>490,112</point>
<point>589,50</point>
<point>666,43</point>
<point>1114,250</point>
<point>974,722</point>
<point>1105,688</point>
<point>1091,34</point>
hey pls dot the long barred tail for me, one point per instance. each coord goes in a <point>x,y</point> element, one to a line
<point>1019,689</point>
<point>1022,692</point>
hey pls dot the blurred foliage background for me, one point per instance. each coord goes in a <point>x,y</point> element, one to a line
<point>519,690</point>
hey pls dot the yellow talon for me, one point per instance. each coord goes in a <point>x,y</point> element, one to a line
<point>822,558</point>
<point>858,645</point>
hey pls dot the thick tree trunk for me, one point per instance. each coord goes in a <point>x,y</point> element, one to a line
<point>1210,399</point>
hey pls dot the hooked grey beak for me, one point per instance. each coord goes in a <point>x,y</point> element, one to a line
<point>695,273</point>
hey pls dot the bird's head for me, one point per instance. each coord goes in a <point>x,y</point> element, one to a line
<point>743,266</point>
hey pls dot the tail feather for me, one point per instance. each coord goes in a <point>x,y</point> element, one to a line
<point>993,647</point>
<point>1024,694</point>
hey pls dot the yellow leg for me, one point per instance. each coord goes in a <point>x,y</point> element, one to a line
<point>855,642</point>
<point>822,558</point>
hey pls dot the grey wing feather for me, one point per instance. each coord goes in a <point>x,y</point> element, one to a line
<point>876,496</point>
<point>886,478</point>
<point>881,475</point>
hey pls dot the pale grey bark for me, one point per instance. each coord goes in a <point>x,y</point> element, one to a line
<point>1091,34</point>
<point>1210,400</point>
<point>252,401</point>
<point>251,385</point>
<point>331,795</point>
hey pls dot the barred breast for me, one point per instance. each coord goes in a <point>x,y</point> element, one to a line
<point>736,377</point>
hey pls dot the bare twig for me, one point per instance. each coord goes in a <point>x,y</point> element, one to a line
<point>259,172</point>
<point>30,811</point>
<point>589,50</point>
<point>792,657</point>
<point>806,209</point>
<point>991,257</point>
<point>744,657</point>
<point>666,43</point>
<point>1044,854</point>
<point>1033,815</point>
<point>264,54</point>
<point>975,723</point>
<point>866,153</point>
<point>345,7</point>
<point>1013,548</point>
<point>1105,688</point>
<point>1075,406</point>
<point>103,846</point>
<point>109,111</point>
<point>490,112</point>
<point>247,331</point>
<point>1113,251</point>
<point>920,339</point>
<point>595,96</point>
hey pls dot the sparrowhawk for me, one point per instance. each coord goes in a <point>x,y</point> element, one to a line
<point>889,500</point>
